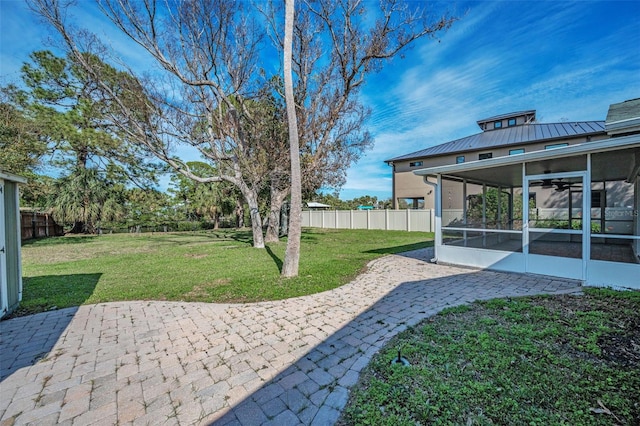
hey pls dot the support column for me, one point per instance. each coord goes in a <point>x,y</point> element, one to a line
<point>636,216</point>
<point>464,211</point>
<point>525,217</point>
<point>484,214</point>
<point>586,220</point>
<point>438,206</point>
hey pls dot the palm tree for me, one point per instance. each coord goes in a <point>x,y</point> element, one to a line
<point>84,198</point>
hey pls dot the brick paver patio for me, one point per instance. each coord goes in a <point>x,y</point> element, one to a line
<point>287,362</point>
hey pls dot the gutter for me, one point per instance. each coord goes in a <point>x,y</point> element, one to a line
<point>435,197</point>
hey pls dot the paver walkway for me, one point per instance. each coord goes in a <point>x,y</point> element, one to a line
<point>287,362</point>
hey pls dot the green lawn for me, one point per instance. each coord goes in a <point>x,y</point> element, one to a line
<point>217,266</point>
<point>562,360</point>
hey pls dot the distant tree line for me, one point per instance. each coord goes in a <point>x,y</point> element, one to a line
<point>364,201</point>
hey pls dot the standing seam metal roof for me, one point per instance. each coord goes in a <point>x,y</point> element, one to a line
<point>517,135</point>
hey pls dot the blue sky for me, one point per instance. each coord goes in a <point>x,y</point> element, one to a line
<point>568,60</point>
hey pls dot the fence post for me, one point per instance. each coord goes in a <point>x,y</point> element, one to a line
<point>386,219</point>
<point>350,219</point>
<point>408,220</point>
<point>368,219</point>
<point>336,219</point>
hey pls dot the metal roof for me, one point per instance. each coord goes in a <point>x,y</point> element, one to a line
<point>599,146</point>
<point>517,135</point>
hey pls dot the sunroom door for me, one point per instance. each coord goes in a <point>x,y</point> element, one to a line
<point>556,240</point>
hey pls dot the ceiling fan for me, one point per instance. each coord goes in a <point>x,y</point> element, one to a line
<point>559,184</point>
<point>563,186</point>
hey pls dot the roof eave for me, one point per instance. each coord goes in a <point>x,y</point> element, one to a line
<point>503,116</point>
<point>11,177</point>
<point>583,148</point>
<point>622,126</point>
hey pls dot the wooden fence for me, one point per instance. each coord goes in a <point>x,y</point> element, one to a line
<point>401,220</point>
<point>38,225</point>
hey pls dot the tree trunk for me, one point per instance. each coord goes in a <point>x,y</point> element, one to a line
<point>273,224</point>
<point>292,253</point>
<point>239,214</point>
<point>256,221</point>
<point>256,227</point>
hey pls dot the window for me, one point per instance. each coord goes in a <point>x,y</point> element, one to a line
<point>555,145</point>
<point>516,151</point>
<point>497,124</point>
<point>411,203</point>
<point>598,199</point>
<point>511,122</point>
<point>415,164</point>
<point>460,159</point>
<point>485,155</point>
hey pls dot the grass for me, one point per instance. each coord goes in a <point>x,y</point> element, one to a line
<point>219,266</point>
<point>563,360</point>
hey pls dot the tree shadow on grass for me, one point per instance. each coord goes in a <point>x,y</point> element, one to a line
<point>50,292</point>
<point>402,249</point>
<point>55,241</point>
<point>241,236</point>
<point>275,258</point>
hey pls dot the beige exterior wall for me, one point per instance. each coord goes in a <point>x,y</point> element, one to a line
<point>409,185</point>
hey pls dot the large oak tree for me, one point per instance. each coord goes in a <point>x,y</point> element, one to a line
<point>218,74</point>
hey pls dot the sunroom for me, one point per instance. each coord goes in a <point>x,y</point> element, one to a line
<point>569,212</point>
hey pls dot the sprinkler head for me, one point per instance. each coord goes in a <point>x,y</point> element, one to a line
<point>401,360</point>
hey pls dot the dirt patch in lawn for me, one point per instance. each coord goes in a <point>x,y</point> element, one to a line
<point>620,344</point>
<point>623,347</point>
<point>196,255</point>
<point>201,291</point>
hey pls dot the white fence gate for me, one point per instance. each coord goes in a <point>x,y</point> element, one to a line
<point>396,220</point>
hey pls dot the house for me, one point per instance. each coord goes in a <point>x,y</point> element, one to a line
<point>508,134</point>
<point>10,258</point>
<point>557,199</point>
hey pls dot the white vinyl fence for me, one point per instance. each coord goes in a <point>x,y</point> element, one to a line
<point>398,220</point>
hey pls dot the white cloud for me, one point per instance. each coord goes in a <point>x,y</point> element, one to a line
<point>565,59</point>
